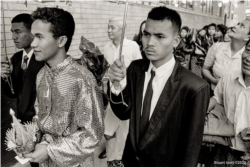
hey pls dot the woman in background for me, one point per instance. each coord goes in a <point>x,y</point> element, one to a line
<point>210,33</point>
<point>137,39</point>
<point>201,48</point>
<point>220,33</point>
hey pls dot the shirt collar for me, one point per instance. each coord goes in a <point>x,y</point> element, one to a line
<point>163,69</point>
<point>125,42</point>
<point>28,54</point>
<point>54,71</point>
<point>239,76</point>
<point>227,51</point>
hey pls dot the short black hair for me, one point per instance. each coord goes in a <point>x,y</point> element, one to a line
<point>62,22</point>
<point>163,13</point>
<point>25,18</point>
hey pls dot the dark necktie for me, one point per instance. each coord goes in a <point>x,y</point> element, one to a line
<point>25,60</point>
<point>146,106</point>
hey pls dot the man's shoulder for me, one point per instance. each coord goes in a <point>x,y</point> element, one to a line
<point>131,43</point>
<point>191,80</point>
<point>17,54</point>
<point>81,71</point>
<point>221,45</point>
<point>139,64</point>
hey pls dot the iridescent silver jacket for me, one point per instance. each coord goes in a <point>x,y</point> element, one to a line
<point>70,114</point>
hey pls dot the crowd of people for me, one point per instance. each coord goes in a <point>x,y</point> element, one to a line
<point>176,97</point>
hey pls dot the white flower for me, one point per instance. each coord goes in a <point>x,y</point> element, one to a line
<point>11,145</point>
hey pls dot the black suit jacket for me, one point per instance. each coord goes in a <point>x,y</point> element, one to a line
<point>26,99</point>
<point>174,135</point>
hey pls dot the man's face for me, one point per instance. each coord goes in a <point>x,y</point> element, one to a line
<point>158,40</point>
<point>45,46</point>
<point>241,31</point>
<point>246,62</point>
<point>114,31</point>
<point>211,30</point>
<point>21,36</point>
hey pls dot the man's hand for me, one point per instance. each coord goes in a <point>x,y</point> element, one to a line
<point>117,70</point>
<point>39,155</point>
<point>107,137</point>
<point>6,67</point>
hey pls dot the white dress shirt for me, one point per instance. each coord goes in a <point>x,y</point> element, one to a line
<point>29,56</point>
<point>232,93</point>
<point>162,74</point>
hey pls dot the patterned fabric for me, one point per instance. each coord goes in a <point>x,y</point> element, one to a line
<point>221,61</point>
<point>195,67</point>
<point>70,114</point>
<point>115,163</point>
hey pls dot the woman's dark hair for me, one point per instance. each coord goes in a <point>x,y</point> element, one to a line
<point>184,28</point>
<point>204,28</point>
<point>139,37</point>
<point>222,28</point>
<point>62,22</point>
<point>210,25</point>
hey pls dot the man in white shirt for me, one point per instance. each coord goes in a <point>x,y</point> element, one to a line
<point>233,92</point>
<point>116,130</point>
<point>166,102</point>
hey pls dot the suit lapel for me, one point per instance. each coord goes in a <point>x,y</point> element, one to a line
<point>162,105</point>
<point>135,120</point>
<point>139,97</point>
<point>28,84</point>
<point>18,69</point>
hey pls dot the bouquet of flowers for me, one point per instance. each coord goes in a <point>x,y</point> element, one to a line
<point>21,138</point>
<point>245,137</point>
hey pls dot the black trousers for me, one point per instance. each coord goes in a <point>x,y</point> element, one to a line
<point>33,164</point>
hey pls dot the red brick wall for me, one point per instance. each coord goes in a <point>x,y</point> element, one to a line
<point>91,18</point>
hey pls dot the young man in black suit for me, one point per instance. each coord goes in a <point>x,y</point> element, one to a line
<point>23,68</point>
<point>166,102</point>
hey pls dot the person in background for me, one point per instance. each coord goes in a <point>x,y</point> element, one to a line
<point>184,32</point>
<point>137,38</point>
<point>210,33</point>
<point>116,130</point>
<point>179,50</point>
<point>220,33</point>
<point>226,36</point>
<point>198,56</point>
<point>224,57</point>
<point>233,92</point>
<point>23,69</point>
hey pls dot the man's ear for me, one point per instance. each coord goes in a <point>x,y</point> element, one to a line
<point>177,40</point>
<point>62,41</point>
<point>247,38</point>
